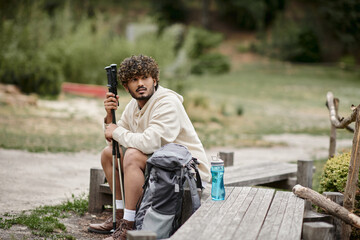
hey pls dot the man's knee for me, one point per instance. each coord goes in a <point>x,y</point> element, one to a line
<point>106,155</point>
<point>134,157</point>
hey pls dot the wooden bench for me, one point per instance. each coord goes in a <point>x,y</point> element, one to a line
<point>99,191</point>
<point>101,195</point>
<point>246,213</point>
<point>272,174</point>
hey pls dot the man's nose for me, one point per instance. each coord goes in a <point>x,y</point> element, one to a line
<point>141,82</point>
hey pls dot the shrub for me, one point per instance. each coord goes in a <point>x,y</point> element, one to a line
<point>335,173</point>
<point>239,110</point>
<point>294,42</point>
<point>347,62</point>
<point>197,45</point>
<point>334,179</point>
<point>199,40</point>
<point>38,51</point>
<point>24,60</point>
<point>213,63</point>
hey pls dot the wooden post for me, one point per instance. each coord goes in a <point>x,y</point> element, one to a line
<point>312,216</point>
<point>305,173</point>
<point>97,177</point>
<point>335,197</point>
<point>353,174</point>
<point>317,230</point>
<point>304,176</point>
<point>227,157</point>
<point>339,199</point>
<point>141,235</point>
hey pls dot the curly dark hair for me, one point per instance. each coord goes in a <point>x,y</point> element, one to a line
<point>137,66</point>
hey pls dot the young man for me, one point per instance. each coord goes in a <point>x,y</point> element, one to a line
<point>154,117</point>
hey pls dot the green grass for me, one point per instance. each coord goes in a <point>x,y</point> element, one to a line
<point>275,98</point>
<point>40,130</point>
<point>44,221</point>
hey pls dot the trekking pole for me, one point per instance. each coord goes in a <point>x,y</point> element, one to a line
<point>114,81</point>
<point>112,85</point>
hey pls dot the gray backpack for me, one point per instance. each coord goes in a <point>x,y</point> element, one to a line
<point>168,170</point>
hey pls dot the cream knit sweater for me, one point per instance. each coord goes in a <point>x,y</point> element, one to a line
<point>162,120</point>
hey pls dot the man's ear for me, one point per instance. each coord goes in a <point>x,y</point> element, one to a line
<point>126,88</point>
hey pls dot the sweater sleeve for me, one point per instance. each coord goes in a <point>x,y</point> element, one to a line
<point>164,127</point>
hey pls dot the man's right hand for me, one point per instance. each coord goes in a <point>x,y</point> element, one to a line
<point>110,103</point>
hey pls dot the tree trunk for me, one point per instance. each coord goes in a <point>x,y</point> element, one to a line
<point>353,174</point>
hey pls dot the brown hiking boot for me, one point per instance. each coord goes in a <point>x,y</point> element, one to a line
<point>107,226</point>
<point>121,231</point>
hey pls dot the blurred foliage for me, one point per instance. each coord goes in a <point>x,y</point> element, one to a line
<point>342,19</point>
<point>291,41</point>
<point>168,12</point>
<point>198,44</point>
<point>347,62</point>
<point>200,40</point>
<point>38,51</point>
<point>249,15</point>
<point>46,42</point>
<point>24,59</point>
<point>212,63</point>
<point>298,31</point>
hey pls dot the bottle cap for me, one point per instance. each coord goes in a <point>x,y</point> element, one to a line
<point>216,161</point>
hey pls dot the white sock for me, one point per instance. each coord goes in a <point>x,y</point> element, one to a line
<point>129,215</point>
<point>119,204</point>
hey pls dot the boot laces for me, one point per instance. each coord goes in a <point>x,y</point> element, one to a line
<point>120,230</point>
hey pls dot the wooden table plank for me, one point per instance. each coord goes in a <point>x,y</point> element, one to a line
<point>289,216</point>
<point>194,226</point>
<point>228,219</point>
<point>275,215</point>
<point>238,217</point>
<point>298,217</point>
<point>212,224</point>
<point>255,215</point>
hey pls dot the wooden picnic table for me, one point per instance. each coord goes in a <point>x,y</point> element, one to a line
<point>246,213</point>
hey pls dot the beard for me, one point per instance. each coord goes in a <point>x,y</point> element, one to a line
<point>146,96</point>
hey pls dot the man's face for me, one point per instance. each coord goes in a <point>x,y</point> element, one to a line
<point>141,88</point>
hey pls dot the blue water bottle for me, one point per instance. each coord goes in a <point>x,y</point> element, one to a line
<point>217,184</point>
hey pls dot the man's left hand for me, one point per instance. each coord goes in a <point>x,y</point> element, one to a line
<point>109,130</point>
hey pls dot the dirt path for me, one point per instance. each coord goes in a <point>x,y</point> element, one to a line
<point>29,180</point>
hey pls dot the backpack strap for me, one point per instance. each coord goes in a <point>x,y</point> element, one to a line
<point>195,199</point>
<point>198,178</point>
<point>147,174</point>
